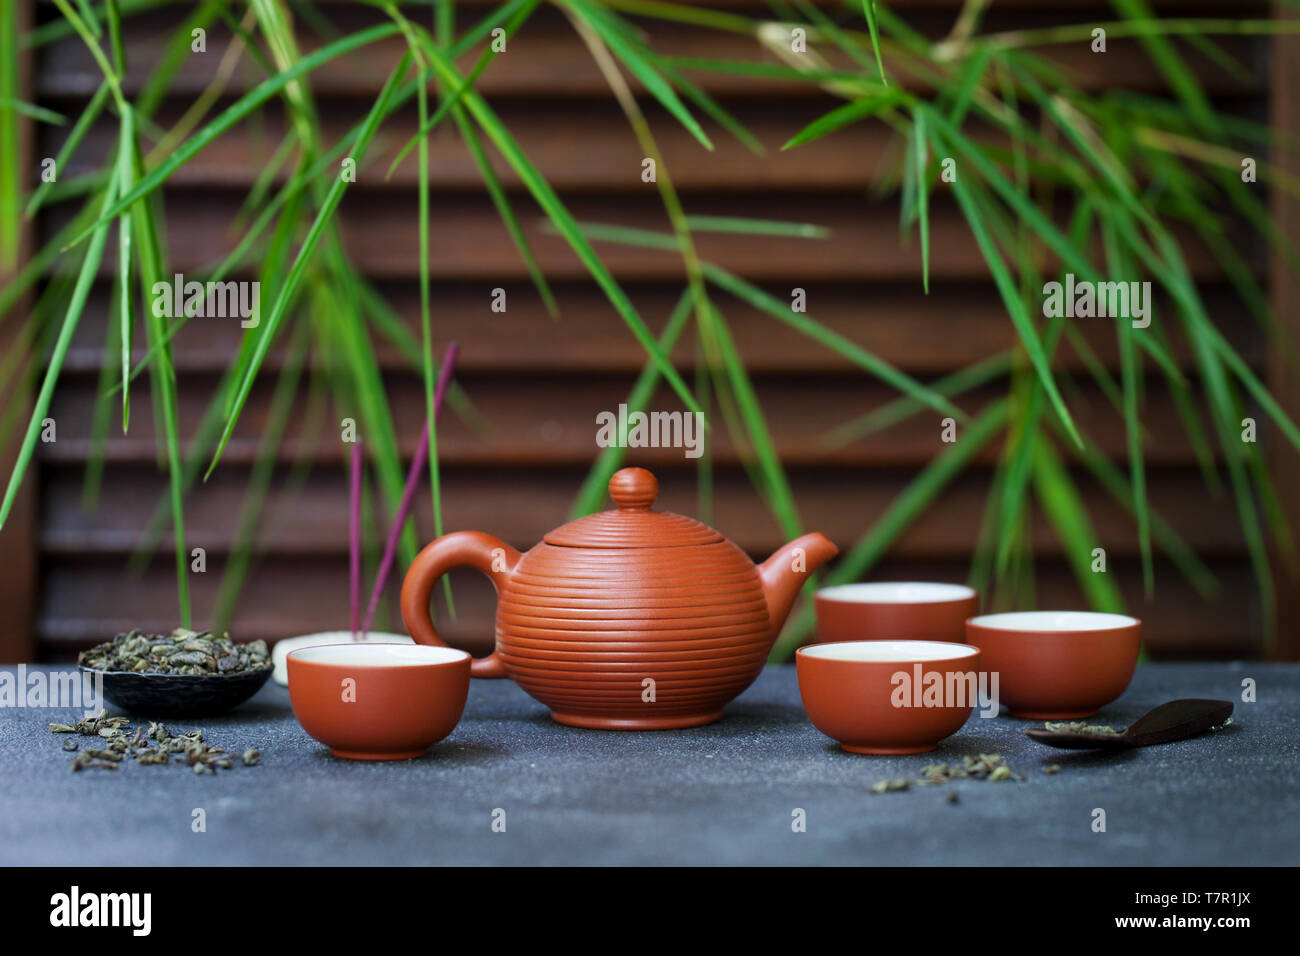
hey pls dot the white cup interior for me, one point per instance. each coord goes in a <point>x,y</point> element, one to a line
<point>378,655</point>
<point>282,648</point>
<point>897,592</point>
<point>892,652</point>
<point>1053,621</point>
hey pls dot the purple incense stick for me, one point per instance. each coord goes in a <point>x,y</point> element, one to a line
<point>354,540</point>
<point>408,493</point>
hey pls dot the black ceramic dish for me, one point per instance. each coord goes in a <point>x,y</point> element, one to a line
<point>179,695</point>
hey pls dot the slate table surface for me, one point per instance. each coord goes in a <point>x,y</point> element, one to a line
<point>718,795</point>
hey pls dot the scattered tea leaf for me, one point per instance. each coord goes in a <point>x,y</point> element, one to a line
<point>1079,727</point>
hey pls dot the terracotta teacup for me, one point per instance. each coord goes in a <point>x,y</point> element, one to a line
<point>895,611</point>
<point>870,695</point>
<point>378,701</point>
<point>1057,665</point>
<point>282,648</point>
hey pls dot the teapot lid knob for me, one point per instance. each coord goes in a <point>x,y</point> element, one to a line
<point>633,489</point>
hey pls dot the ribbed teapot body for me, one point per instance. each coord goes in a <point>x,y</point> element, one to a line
<point>634,638</point>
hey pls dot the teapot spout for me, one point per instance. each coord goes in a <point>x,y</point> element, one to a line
<point>785,572</point>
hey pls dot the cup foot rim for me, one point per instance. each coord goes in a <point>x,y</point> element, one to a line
<point>592,722</point>
<point>379,755</point>
<point>887,751</point>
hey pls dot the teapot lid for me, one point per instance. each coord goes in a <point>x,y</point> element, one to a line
<point>632,524</point>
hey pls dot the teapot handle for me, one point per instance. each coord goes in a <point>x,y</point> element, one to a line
<point>471,549</point>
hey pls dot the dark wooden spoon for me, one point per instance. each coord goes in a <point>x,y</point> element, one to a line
<point>1175,720</point>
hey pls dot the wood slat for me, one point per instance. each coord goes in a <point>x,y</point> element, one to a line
<point>313,520</point>
<point>469,243</point>
<point>529,67</point>
<point>553,422</point>
<point>87,603</point>
<point>927,335</point>
<point>587,150</point>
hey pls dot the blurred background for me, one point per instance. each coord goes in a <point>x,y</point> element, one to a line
<point>518,439</point>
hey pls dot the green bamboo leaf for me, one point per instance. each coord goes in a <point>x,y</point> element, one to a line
<point>265,179</point>
<point>69,147</point>
<point>710,107</point>
<point>922,191</point>
<point>353,345</point>
<point>1130,371</point>
<point>1034,218</point>
<point>910,504</point>
<point>115,43</point>
<point>57,28</point>
<point>826,27</point>
<point>606,25</point>
<point>1180,78</point>
<point>869,11</point>
<point>775,484</point>
<point>900,409</point>
<point>1226,415</point>
<point>704,373</point>
<point>687,13</point>
<point>765,302</point>
<point>756,227</point>
<point>1065,511</point>
<point>478,32</point>
<point>10,181</point>
<point>1012,511</point>
<point>1183,557</point>
<point>100,418</point>
<point>296,272</point>
<point>1174,271</point>
<point>85,279</point>
<point>851,112</point>
<point>747,292</point>
<point>562,219</point>
<point>591,496</point>
<point>967,83</point>
<point>148,243</point>
<point>88,14</point>
<point>125,171</point>
<point>33,112</point>
<point>1096,368</point>
<point>175,54</point>
<point>1274,513</point>
<point>770,71</point>
<point>236,112</point>
<point>250,519</point>
<point>1011,298</point>
<point>502,203</point>
<point>426,320</point>
<point>522,13</point>
<point>629,236</point>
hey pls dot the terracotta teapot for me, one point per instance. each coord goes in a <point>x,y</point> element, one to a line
<point>629,619</point>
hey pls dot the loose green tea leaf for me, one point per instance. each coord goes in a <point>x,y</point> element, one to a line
<point>181,652</point>
<point>154,744</point>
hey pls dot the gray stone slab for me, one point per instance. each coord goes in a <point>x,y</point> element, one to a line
<point>722,794</point>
